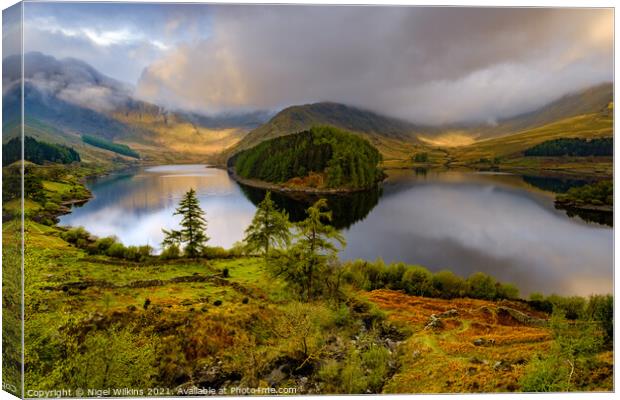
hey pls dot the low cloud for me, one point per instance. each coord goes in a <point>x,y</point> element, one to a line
<point>69,79</point>
<point>431,65</point>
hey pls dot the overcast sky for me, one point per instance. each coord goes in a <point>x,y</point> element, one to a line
<point>429,65</point>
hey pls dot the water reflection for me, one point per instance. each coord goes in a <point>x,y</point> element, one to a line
<point>556,185</point>
<point>466,222</point>
<point>347,209</point>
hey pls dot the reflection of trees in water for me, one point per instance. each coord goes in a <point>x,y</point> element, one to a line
<point>347,209</point>
<point>599,217</point>
<point>556,185</point>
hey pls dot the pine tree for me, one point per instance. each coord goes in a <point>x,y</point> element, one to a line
<point>193,226</point>
<point>316,249</point>
<point>269,228</point>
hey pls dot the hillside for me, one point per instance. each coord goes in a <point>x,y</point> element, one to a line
<point>587,101</point>
<point>590,100</point>
<point>393,137</point>
<point>508,151</point>
<point>73,98</point>
<point>318,158</point>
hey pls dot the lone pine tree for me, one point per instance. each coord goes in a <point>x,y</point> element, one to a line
<point>193,227</point>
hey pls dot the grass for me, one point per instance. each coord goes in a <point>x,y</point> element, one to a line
<point>509,149</point>
<point>446,360</point>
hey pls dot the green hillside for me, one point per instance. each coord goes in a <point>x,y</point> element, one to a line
<point>393,137</point>
<point>37,152</point>
<point>109,145</point>
<point>333,157</point>
<point>508,152</point>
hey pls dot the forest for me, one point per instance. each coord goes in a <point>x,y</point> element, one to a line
<point>38,152</point>
<point>345,160</point>
<point>108,145</point>
<point>575,147</point>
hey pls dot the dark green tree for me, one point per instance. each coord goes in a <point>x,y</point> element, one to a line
<point>269,228</point>
<point>311,261</point>
<point>193,227</point>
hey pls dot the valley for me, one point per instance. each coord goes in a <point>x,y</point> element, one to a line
<point>443,263</point>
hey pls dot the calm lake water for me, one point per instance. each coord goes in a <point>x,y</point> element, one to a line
<point>504,225</point>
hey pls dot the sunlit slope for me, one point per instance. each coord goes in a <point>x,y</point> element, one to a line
<point>171,137</point>
<point>509,149</point>
<point>48,133</point>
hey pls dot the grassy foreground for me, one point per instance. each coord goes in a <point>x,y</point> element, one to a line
<point>227,323</point>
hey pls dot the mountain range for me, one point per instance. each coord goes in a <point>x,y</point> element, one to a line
<point>67,98</point>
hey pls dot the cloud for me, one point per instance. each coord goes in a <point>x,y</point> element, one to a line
<point>117,39</point>
<point>430,65</point>
<point>68,79</point>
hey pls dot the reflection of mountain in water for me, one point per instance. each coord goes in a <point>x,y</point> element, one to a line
<point>346,209</point>
<point>556,185</point>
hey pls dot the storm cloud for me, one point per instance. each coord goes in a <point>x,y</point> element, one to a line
<point>432,65</point>
<point>423,64</point>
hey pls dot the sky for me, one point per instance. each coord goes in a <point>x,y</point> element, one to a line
<point>426,65</point>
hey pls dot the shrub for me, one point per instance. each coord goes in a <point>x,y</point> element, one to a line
<point>545,375</point>
<point>116,250</point>
<point>507,291</point>
<point>394,275</point>
<point>171,252</point>
<point>215,252</point>
<point>481,286</point>
<point>376,362</point>
<point>74,235</point>
<point>601,309</point>
<point>572,307</point>
<point>447,285</point>
<point>417,281</point>
<point>102,245</point>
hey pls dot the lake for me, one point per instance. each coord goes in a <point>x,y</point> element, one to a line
<point>504,225</point>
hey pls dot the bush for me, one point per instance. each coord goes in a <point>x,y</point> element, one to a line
<point>215,252</point>
<point>571,307</point>
<point>601,309</point>
<point>75,235</point>
<point>376,362</point>
<point>447,285</point>
<point>102,245</point>
<point>507,291</point>
<point>171,252</point>
<point>545,375</point>
<point>418,281</point>
<point>481,286</point>
<point>116,250</point>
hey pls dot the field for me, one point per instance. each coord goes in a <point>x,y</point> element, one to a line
<point>203,322</point>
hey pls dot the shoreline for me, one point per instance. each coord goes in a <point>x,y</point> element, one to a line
<point>258,184</point>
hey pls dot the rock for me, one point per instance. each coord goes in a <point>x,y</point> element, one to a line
<point>449,314</point>
<point>502,365</point>
<point>483,342</point>
<point>434,323</point>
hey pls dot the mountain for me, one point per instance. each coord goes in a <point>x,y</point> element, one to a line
<point>398,139</point>
<point>390,135</point>
<point>73,98</point>
<point>586,101</point>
